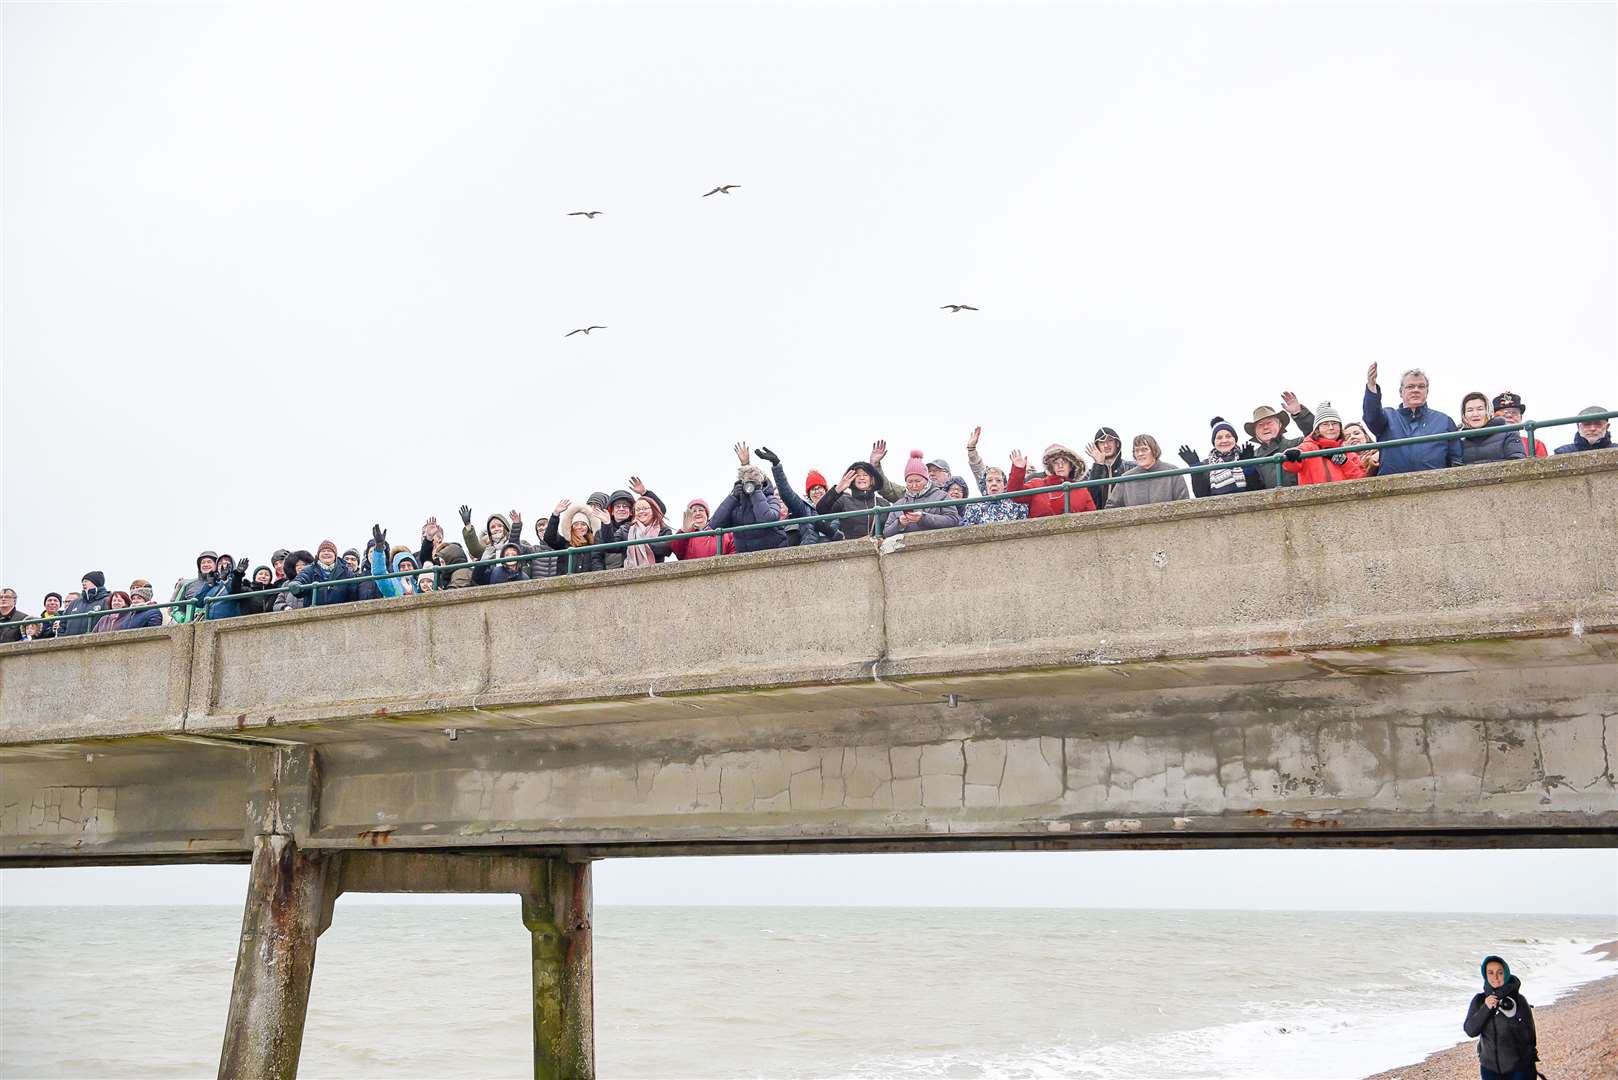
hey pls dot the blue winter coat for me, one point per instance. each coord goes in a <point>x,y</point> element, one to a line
<point>821,532</point>
<point>739,508</point>
<point>331,594</point>
<point>141,619</point>
<point>1401,423</point>
<point>392,586</point>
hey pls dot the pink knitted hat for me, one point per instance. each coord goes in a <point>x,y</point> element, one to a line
<point>916,466</point>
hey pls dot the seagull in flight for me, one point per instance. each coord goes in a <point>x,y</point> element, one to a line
<point>583,330</point>
<point>722,189</point>
<point>584,213</point>
<point>957,307</point>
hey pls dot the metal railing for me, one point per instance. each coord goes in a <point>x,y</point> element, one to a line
<point>201,607</point>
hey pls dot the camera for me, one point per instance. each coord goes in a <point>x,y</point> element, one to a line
<point>1507,1007</point>
<point>748,487</point>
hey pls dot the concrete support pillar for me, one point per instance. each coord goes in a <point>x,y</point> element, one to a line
<point>558,918</point>
<point>287,908</point>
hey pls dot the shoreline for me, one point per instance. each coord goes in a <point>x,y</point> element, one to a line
<point>1578,1036</point>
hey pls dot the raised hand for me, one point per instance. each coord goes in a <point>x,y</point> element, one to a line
<point>846,482</point>
<point>1370,378</point>
<point>636,486</point>
<point>515,517</point>
<point>972,440</point>
<point>764,453</point>
<point>379,537</point>
<point>744,452</point>
<point>466,515</point>
<point>1189,456</point>
<point>1019,460</point>
<point>879,450</point>
<point>1289,401</point>
<point>561,507</point>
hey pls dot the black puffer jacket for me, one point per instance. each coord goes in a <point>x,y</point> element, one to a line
<point>1505,1034</point>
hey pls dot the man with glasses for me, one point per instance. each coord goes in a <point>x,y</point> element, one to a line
<point>1411,418</point>
<point>11,620</point>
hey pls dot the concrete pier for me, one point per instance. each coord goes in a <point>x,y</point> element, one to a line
<point>290,898</point>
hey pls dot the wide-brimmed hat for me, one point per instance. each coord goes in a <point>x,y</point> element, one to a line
<point>1264,412</point>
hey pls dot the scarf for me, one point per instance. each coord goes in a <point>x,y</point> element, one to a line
<point>641,554</point>
<point>1224,481</point>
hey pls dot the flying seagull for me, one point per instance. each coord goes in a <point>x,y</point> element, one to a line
<point>957,307</point>
<point>722,189</point>
<point>584,213</point>
<point>583,330</point>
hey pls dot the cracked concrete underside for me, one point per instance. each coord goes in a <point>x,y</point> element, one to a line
<point>1421,660</point>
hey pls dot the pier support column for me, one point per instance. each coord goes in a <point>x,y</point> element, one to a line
<point>288,905</point>
<point>558,918</point>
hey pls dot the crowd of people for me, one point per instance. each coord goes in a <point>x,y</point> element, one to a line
<point>1316,446</point>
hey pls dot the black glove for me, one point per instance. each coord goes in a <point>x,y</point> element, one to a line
<point>1189,456</point>
<point>379,538</point>
<point>466,515</point>
<point>764,453</point>
<point>736,489</point>
<point>1292,453</point>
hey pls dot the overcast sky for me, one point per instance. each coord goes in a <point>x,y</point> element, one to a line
<point>272,273</point>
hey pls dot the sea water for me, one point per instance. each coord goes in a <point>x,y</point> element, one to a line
<point>443,991</point>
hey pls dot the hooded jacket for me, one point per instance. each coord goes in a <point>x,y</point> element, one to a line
<point>1323,470</point>
<point>188,590</point>
<point>474,542</point>
<point>1580,444</point>
<point>1107,470</point>
<point>1403,423</point>
<point>840,502</point>
<point>557,541</point>
<point>1156,490</point>
<point>390,587</point>
<point>448,555</point>
<point>1505,1042</point>
<point>741,507</point>
<point>1050,503</point>
<point>943,517</point>
<point>95,599</point>
<point>1489,445</point>
<point>256,599</point>
<point>222,585</point>
<point>616,532</point>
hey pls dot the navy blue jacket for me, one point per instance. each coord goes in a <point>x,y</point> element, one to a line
<point>1401,423</point>
<point>798,508</point>
<point>332,594</point>
<point>1580,443</point>
<point>739,508</point>
<point>141,619</point>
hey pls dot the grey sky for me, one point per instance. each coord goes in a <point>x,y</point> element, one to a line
<point>272,273</point>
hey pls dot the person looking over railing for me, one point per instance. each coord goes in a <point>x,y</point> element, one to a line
<point>1592,434</point>
<point>1354,434</point>
<point>1486,445</point>
<point>796,507</point>
<point>912,512</point>
<point>751,501</point>
<point>12,621</point>
<point>1268,432</point>
<point>1509,407</point>
<point>569,527</point>
<point>117,600</point>
<point>1139,492</point>
<point>91,600</point>
<point>859,489</point>
<point>1327,435</point>
<point>1106,450</point>
<point>1062,466</point>
<point>698,547</point>
<point>1413,417</point>
<point>1232,477</point>
<point>328,567</point>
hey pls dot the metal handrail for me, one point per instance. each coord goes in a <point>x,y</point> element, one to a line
<point>878,513</point>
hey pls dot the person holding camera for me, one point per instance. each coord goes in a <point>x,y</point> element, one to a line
<point>752,500</point>
<point>1502,1022</point>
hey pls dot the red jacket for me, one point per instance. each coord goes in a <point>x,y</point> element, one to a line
<point>699,547</point>
<point>1323,470</point>
<point>1047,503</point>
<point>1537,450</point>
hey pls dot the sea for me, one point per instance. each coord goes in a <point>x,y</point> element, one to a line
<point>443,991</point>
